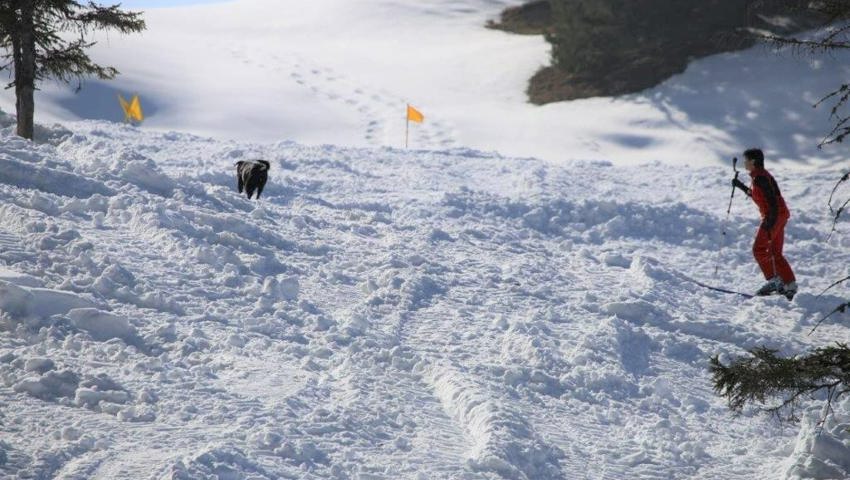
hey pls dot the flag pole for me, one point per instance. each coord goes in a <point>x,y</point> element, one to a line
<point>406,125</point>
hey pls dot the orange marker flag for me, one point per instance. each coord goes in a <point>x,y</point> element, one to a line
<point>132,109</point>
<point>414,115</point>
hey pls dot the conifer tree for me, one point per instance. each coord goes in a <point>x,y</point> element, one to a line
<point>630,45</point>
<point>48,39</point>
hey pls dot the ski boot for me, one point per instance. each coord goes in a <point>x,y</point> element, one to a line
<point>789,290</point>
<point>772,286</point>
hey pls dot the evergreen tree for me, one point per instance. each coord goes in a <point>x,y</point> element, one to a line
<point>31,33</point>
<point>616,47</point>
<point>633,29</point>
<point>630,45</point>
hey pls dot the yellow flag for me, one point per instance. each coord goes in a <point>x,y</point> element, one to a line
<point>132,109</point>
<point>136,109</point>
<point>414,115</point>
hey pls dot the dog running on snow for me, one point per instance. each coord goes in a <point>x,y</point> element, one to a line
<point>252,175</point>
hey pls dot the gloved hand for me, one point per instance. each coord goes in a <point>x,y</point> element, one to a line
<point>739,184</point>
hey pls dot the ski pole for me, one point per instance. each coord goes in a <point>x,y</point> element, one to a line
<point>726,220</point>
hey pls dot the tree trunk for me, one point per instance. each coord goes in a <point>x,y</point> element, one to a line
<point>24,59</point>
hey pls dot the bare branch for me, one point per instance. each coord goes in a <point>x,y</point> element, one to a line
<point>833,284</point>
<point>813,46</point>
<point>839,309</point>
<point>835,219</point>
<point>843,179</point>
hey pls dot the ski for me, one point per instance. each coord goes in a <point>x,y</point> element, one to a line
<point>721,290</point>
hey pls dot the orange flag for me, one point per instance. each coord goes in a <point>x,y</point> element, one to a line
<point>414,115</point>
<point>132,109</point>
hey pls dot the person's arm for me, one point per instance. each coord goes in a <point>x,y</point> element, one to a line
<point>768,196</point>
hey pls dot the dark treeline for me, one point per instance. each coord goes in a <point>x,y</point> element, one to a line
<point>615,47</point>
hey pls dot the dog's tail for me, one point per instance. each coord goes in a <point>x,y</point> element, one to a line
<point>266,163</point>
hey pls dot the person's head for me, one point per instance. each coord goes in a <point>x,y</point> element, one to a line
<point>753,158</point>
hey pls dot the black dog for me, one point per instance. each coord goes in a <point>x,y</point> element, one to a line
<point>252,175</point>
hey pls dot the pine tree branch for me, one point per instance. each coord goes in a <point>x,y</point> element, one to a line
<point>813,46</point>
<point>835,36</point>
<point>836,33</point>
<point>843,91</point>
<point>765,375</point>
<point>97,17</point>
<point>57,56</point>
<point>840,130</point>
<point>838,133</point>
<point>72,63</point>
<point>843,179</point>
<point>792,401</point>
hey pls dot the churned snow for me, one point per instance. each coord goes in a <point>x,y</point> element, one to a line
<point>440,312</point>
<point>386,313</point>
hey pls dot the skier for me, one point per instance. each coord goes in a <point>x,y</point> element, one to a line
<point>767,247</point>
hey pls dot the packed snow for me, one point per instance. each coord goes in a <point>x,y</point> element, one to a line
<point>445,311</point>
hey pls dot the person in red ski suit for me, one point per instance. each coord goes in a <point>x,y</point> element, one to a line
<point>770,237</point>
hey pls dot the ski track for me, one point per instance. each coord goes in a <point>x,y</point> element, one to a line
<point>377,314</point>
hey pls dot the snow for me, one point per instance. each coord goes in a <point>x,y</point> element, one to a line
<point>341,72</point>
<point>822,450</point>
<point>456,310</point>
<point>387,313</point>
<point>102,325</point>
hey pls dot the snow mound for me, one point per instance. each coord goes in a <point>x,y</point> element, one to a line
<point>26,175</point>
<point>822,450</point>
<point>103,326</point>
<point>50,386</point>
<point>218,462</point>
<point>18,278</point>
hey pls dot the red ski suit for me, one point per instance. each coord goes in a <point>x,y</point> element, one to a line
<point>767,247</point>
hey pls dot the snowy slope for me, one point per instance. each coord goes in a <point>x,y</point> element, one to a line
<point>340,72</point>
<point>384,313</point>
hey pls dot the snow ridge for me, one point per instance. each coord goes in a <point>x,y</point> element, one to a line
<point>502,441</point>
